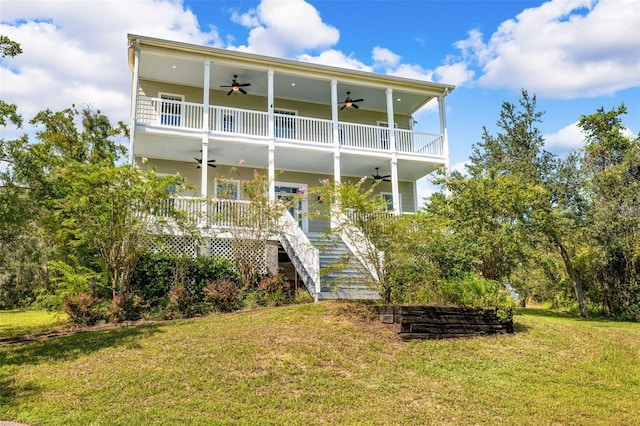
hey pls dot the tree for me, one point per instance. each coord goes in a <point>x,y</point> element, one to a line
<point>488,213</point>
<point>611,166</point>
<point>518,152</point>
<point>10,48</point>
<point>67,189</point>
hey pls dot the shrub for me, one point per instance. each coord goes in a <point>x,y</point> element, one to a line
<point>203,270</point>
<point>153,277</point>
<point>127,307</point>
<point>475,291</point>
<point>83,309</point>
<point>302,296</point>
<point>222,295</point>
<point>275,290</point>
<point>182,304</point>
<point>156,275</point>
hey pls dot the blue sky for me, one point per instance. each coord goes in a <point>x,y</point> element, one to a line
<point>574,55</point>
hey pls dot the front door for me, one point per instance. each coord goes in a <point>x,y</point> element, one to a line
<point>292,192</point>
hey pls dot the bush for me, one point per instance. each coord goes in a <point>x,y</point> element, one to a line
<point>128,307</point>
<point>222,295</point>
<point>275,290</point>
<point>83,309</point>
<point>157,274</point>
<point>182,304</point>
<point>302,296</point>
<point>153,277</point>
<point>203,270</point>
<point>471,291</point>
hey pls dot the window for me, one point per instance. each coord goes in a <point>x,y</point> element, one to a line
<point>171,109</point>
<point>228,189</point>
<point>388,198</point>
<point>285,125</point>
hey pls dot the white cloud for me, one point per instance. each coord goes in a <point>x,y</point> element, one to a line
<point>75,52</point>
<point>565,140</point>
<point>286,28</point>
<point>384,58</point>
<point>336,58</point>
<point>456,73</point>
<point>562,49</point>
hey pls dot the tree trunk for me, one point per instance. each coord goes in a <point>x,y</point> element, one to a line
<point>577,285</point>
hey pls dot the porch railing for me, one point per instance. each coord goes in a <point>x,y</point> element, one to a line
<point>238,121</point>
<point>304,256</point>
<point>235,121</point>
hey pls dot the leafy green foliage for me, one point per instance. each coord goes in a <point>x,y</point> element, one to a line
<point>611,166</point>
<point>156,274</point>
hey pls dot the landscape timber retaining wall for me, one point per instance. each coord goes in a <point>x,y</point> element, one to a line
<point>441,322</point>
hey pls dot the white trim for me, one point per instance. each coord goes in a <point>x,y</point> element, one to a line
<point>305,204</point>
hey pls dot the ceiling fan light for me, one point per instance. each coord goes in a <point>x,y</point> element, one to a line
<point>235,88</point>
<point>348,104</point>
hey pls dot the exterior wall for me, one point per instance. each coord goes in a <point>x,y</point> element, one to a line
<point>259,103</point>
<point>193,175</point>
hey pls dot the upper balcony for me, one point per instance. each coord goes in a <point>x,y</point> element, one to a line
<point>182,100</point>
<point>226,123</point>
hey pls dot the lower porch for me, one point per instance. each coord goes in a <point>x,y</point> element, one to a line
<point>309,258</point>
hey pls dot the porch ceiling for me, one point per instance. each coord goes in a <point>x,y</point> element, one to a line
<point>297,159</point>
<point>300,86</point>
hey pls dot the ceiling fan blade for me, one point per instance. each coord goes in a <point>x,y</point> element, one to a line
<point>385,177</point>
<point>355,106</point>
<point>227,85</point>
<point>229,92</point>
<point>386,180</point>
<point>212,165</point>
<point>343,107</point>
<point>244,84</point>
<point>244,92</point>
<point>357,100</point>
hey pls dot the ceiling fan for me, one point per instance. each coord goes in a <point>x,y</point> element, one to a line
<point>199,161</point>
<point>237,87</point>
<point>377,177</point>
<point>350,103</point>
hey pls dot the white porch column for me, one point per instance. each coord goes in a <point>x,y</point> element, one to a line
<point>337,178</point>
<point>443,132</point>
<point>134,101</point>
<point>395,191</point>
<point>271,134</point>
<point>335,131</point>
<point>204,187</point>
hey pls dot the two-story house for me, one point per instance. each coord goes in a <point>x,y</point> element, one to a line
<point>299,122</point>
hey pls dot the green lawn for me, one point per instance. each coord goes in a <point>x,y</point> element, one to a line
<point>326,364</point>
<point>19,322</point>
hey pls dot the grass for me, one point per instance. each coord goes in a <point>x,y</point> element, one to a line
<point>326,364</point>
<point>19,322</point>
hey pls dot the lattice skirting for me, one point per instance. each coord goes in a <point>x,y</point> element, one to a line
<point>218,247</point>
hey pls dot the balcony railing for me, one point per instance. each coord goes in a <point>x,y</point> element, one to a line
<point>290,128</point>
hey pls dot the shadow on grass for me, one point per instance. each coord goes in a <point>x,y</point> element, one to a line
<point>64,348</point>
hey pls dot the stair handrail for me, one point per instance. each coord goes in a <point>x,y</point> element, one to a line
<point>303,254</point>
<point>359,244</point>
